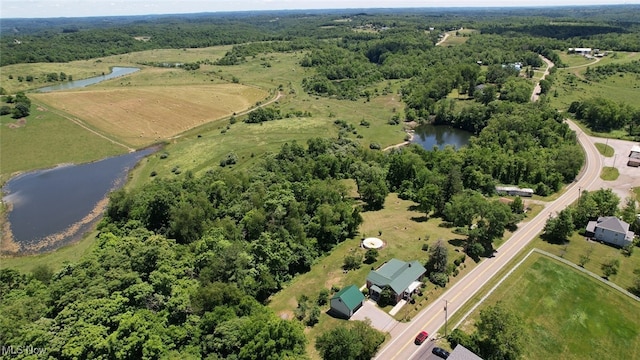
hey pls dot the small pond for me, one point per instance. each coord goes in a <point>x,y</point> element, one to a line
<point>53,207</point>
<point>429,136</point>
<point>115,72</point>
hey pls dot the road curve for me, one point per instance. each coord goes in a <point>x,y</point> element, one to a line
<point>432,318</point>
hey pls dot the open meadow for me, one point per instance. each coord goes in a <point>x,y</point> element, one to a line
<point>570,84</point>
<point>567,314</point>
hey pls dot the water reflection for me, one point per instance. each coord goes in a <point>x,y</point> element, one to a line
<point>115,72</point>
<point>50,208</point>
<point>429,136</point>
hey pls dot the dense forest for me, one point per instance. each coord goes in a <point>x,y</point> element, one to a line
<point>62,40</point>
<point>184,266</point>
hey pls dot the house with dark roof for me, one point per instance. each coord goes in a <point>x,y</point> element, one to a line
<point>402,277</point>
<point>611,230</point>
<point>346,302</point>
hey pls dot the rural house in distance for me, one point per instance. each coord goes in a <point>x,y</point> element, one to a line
<point>611,230</point>
<point>402,277</point>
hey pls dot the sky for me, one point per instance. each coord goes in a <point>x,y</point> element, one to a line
<point>80,8</point>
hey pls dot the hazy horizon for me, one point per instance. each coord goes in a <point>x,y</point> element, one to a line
<point>86,8</point>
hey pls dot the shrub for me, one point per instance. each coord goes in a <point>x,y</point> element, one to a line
<point>371,256</point>
<point>352,261</point>
<point>314,316</point>
<point>438,278</point>
<point>323,297</point>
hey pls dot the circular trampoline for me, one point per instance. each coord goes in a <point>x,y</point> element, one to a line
<point>372,243</point>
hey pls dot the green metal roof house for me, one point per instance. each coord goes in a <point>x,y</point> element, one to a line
<point>402,277</point>
<point>347,301</point>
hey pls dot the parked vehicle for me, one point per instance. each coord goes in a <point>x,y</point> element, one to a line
<point>440,352</point>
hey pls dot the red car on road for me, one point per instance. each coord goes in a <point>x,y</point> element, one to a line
<point>422,336</point>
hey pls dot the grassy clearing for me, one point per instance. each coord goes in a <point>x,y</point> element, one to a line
<point>609,173</point>
<point>562,308</point>
<point>604,149</point>
<point>202,150</point>
<point>458,37</point>
<point>404,233</point>
<point>570,84</point>
<point>54,260</point>
<point>598,253</point>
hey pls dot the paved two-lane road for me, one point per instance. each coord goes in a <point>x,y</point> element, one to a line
<point>432,318</point>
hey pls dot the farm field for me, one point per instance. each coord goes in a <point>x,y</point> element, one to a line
<point>567,314</point>
<point>140,116</point>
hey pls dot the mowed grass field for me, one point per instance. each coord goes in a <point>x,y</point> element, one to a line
<point>567,314</point>
<point>571,85</point>
<point>139,116</point>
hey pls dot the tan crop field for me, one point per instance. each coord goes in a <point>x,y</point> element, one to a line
<point>139,116</point>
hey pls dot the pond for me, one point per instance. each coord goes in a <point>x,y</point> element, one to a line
<point>115,72</point>
<point>51,208</point>
<point>429,136</point>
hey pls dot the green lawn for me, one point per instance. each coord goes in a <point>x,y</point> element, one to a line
<point>604,149</point>
<point>568,314</point>
<point>598,253</point>
<point>609,173</point>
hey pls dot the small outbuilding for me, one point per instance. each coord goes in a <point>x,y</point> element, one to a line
<point>347,301</point>
<point>634,156</point>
